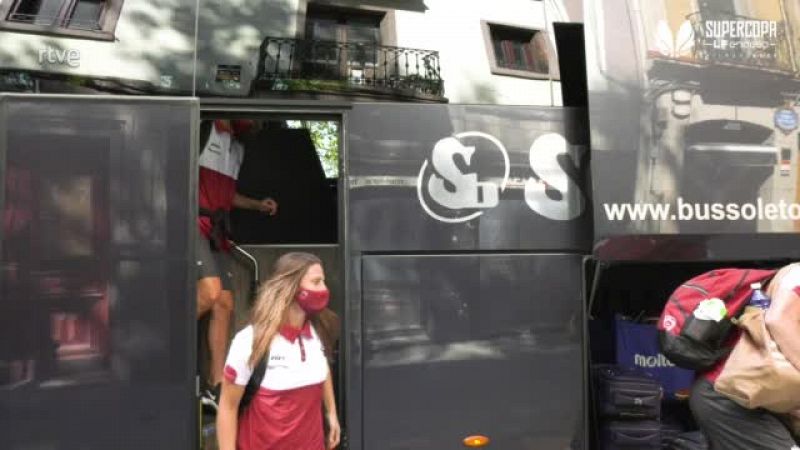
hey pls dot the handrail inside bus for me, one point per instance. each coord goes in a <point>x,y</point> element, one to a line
<point>253,262</point>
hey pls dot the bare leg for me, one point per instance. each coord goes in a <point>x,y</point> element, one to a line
<point>219,329</point>
<point>208,293</point>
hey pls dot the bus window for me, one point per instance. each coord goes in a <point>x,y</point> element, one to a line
<point>94,281</point>
<point>295,162</point>
<point>58,286</point>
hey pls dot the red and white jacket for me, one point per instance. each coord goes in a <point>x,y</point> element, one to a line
<point>286,413</point>
<point>219,162</point>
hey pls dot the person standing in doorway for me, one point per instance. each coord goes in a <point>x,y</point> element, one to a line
<point>220,160</point>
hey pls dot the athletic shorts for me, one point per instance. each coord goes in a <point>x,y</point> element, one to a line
<point>213,264</point>
<point>729,426</point>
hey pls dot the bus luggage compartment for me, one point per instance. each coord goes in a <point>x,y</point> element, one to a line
<point>472,344</point>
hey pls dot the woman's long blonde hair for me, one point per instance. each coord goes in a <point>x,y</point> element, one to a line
<point>274,298</point>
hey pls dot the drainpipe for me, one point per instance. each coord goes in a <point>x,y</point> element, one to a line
<point>789,35</point>
<point>550,70</point>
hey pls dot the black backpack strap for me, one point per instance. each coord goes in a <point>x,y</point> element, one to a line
<point>220,226</point>
<point>253,384</point>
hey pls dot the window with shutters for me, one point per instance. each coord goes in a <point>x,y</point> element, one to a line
<point>90,19</point>
<point>344,34</point>
<point>517,51</point>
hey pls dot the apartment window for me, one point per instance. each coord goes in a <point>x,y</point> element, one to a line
<point>92,19</point>
<point>343,25</point>
<point>517,51</point>
<point>334,27</point>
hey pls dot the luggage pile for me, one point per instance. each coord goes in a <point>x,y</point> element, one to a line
<point>629,408</point>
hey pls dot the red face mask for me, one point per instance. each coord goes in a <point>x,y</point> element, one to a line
<point>312,302</point>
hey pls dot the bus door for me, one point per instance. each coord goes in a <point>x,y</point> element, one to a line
<point>96,287</point>
<point>465,232</point>
<point>291,156</point>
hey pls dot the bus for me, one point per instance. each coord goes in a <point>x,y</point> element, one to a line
<point>485,184</point>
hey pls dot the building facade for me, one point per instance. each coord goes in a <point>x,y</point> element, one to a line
<point>415,50</point>
<point>710,93</point>
<point>114,46</point>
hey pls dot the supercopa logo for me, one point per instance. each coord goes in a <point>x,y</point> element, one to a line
<point>716,39</point>
<point>456,194</point>
<point>452,189</point>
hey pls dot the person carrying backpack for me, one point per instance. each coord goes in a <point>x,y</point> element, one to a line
<point>726,424</point>
<point>218,166</point>
<point>284,350</point>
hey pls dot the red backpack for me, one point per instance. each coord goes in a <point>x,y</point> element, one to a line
<point>697,344</point>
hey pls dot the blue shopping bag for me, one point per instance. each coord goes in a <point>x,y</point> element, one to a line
<point>637,346</point>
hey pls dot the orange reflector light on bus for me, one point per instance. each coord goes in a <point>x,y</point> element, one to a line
<point>476,441</point>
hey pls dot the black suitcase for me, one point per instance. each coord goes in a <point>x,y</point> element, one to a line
<point>694,440</point>
<point>631,435</point>
<point>627,393</point>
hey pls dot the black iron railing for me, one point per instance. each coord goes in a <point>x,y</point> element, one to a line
<point>304,64</point>
<point>764,44</point>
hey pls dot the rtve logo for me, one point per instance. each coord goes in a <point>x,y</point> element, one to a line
<point>451,190</point>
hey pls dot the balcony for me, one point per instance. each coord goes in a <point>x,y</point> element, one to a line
<point>352,68</point>
<point>768,51</point>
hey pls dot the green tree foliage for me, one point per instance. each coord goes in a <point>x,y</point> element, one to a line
<point>325,135</point>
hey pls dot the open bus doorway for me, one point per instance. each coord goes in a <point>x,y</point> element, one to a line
<point>295,160</point>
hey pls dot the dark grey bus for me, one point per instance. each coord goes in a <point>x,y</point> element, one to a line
<point>476,246</point>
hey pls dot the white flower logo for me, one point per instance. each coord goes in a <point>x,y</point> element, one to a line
<point>675,46</point>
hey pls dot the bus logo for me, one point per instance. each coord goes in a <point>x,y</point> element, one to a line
<point>451,190</point>
<point>457,193</point>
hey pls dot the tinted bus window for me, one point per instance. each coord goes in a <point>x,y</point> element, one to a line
<point>96,305</point>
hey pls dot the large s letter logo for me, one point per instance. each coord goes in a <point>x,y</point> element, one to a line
<point>468,192</point>
<point>569,201</point>
<point>450,192</point>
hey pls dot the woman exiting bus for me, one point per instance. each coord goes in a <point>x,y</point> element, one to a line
<point>286,328</point>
